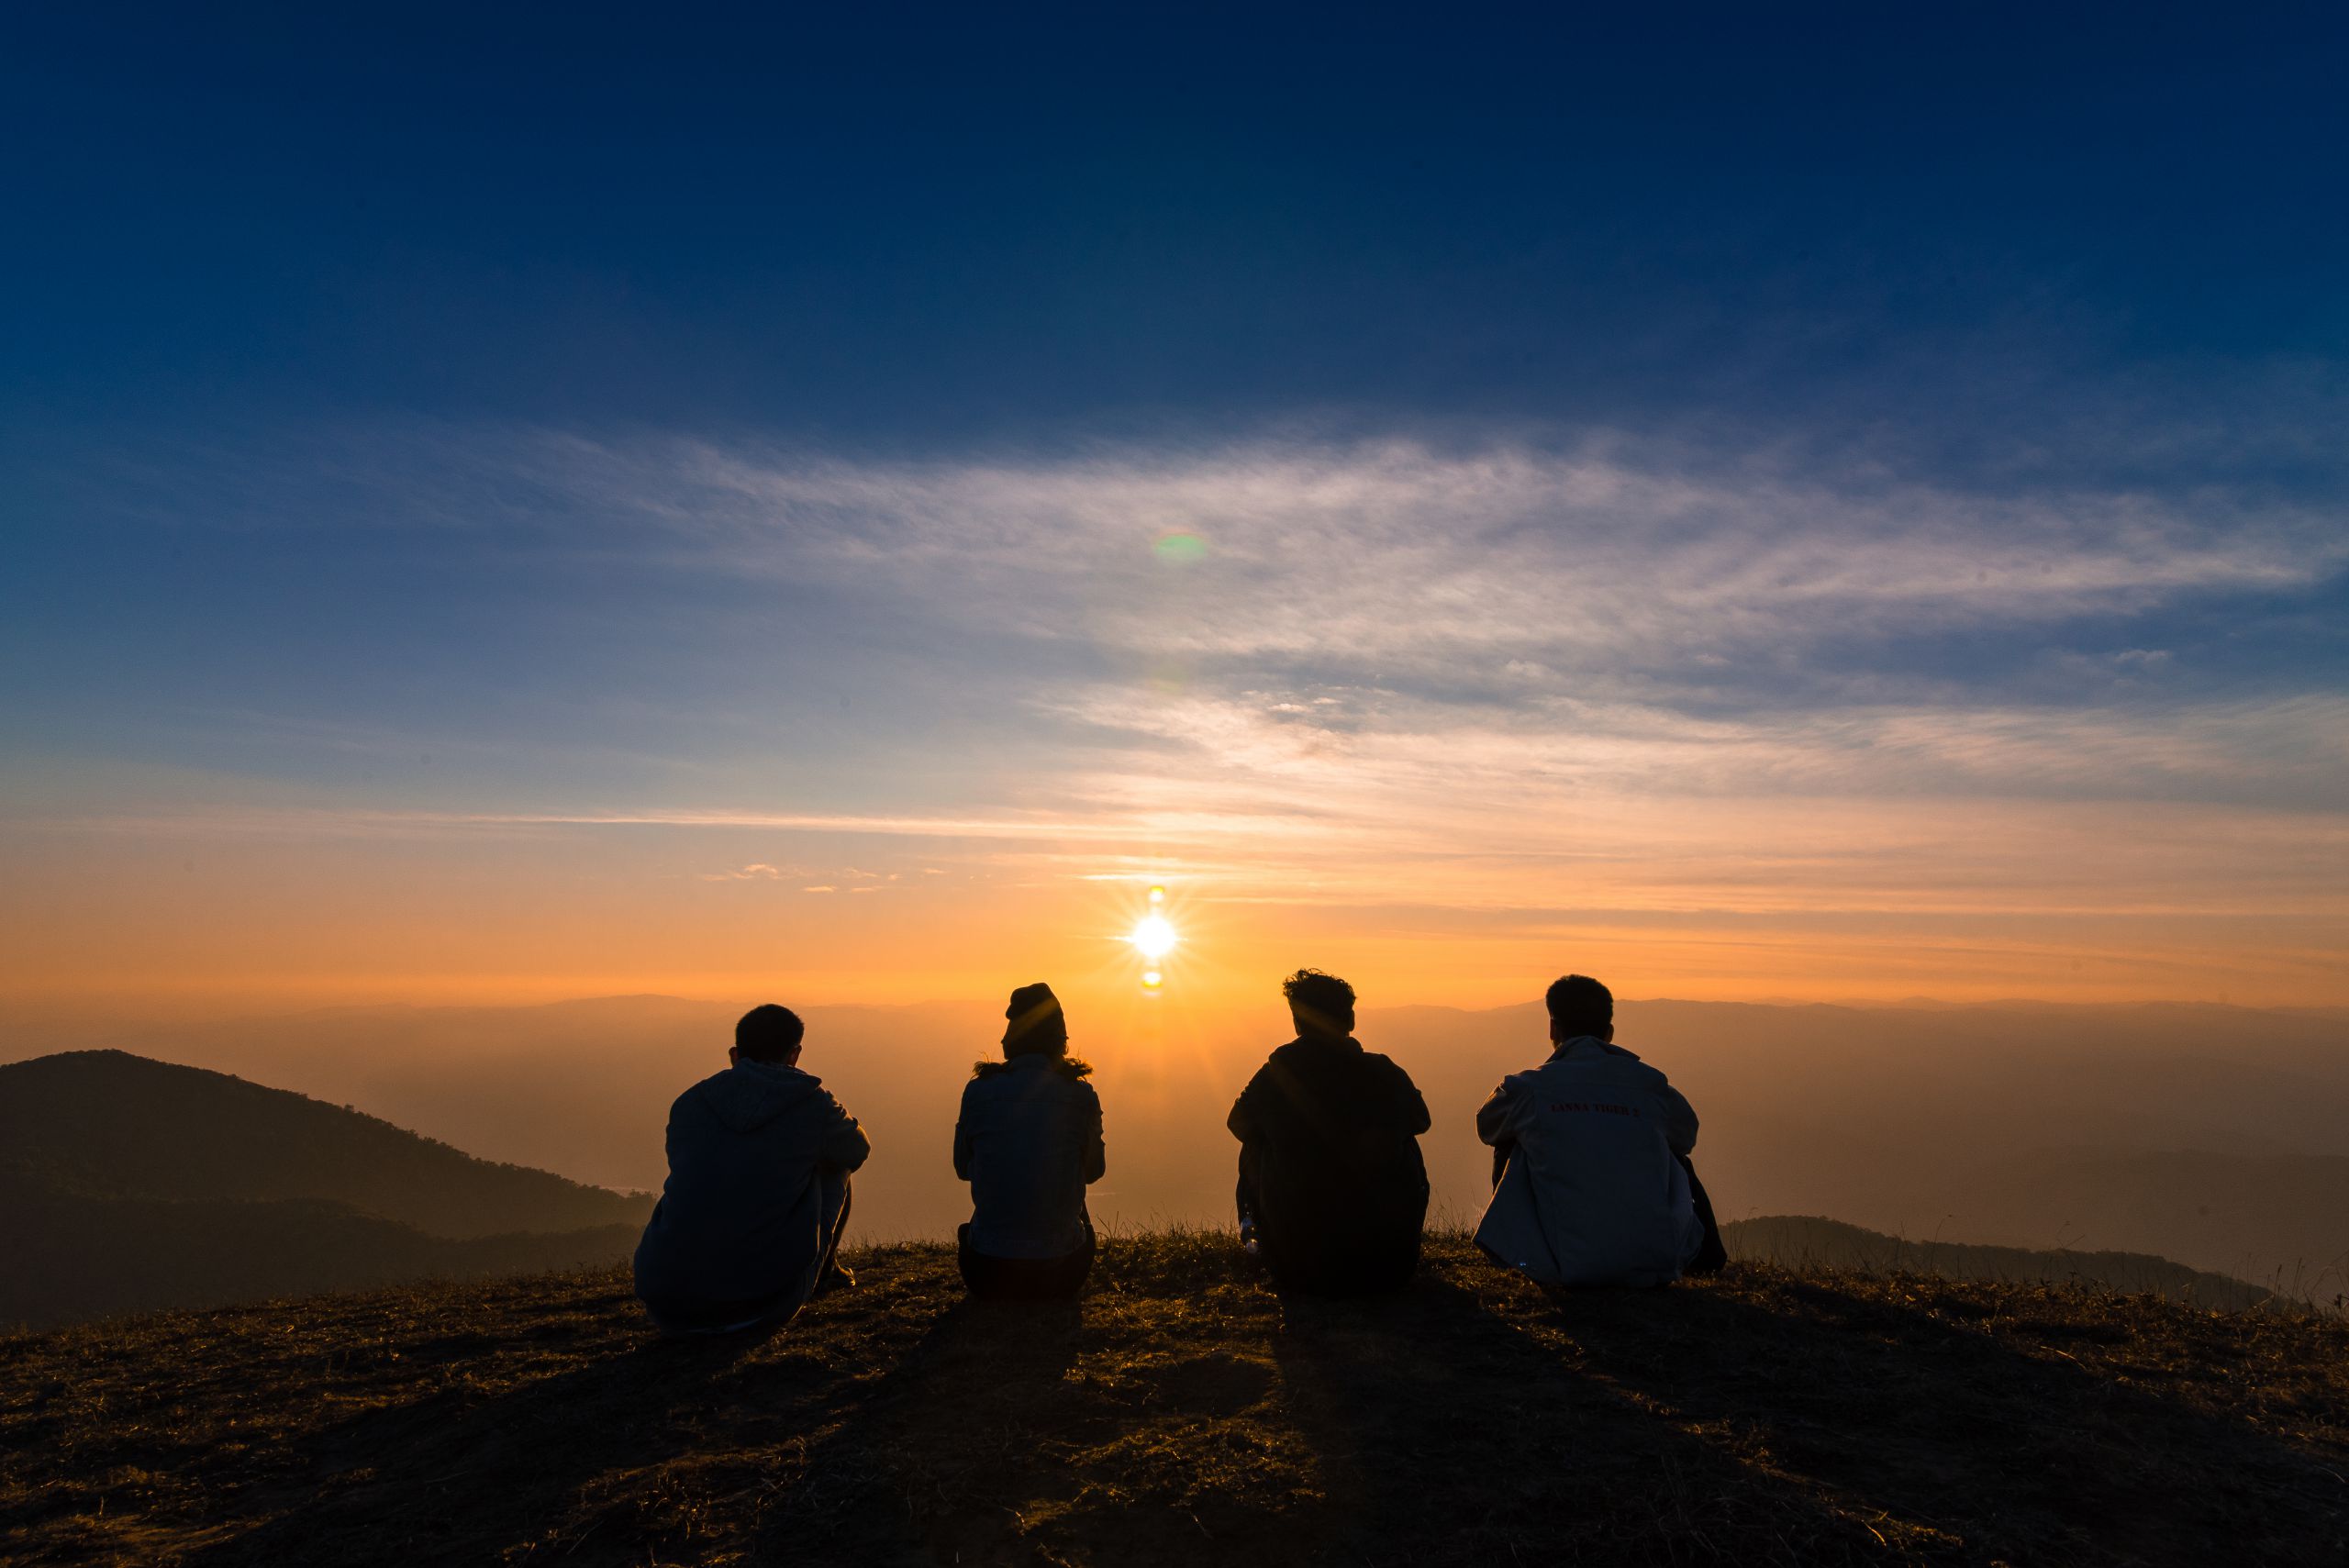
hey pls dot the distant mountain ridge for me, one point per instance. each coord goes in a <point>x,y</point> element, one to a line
<point>2215,1136</point>
<point>1810,1242</point>
<point>128,1185</point>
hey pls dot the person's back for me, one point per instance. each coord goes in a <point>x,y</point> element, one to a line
<point>1594,1184</point>
<point>757,1193</point>
<point>1333,1185</point>
<point>1029,1142</point>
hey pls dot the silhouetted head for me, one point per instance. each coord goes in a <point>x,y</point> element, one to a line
<point>1580,1006</point>
<point>1034,1024</point>
<point>769,1034</point>
<point>1322,1004</point>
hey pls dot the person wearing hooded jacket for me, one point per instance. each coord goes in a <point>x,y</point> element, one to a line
<point>749,1220</point>
<point>1592,1178</point>
<point>1029,1142</point>
<point>1333,1190</point>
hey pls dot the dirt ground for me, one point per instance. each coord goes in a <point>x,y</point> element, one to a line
<point>1183,1413</point>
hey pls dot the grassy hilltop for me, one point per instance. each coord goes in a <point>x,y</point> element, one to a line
<point>1182,1417</point>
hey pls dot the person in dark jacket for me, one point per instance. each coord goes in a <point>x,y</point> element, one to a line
<point>1029,1142</point>
<point>749,1223</point>
<point>1332,1189</point>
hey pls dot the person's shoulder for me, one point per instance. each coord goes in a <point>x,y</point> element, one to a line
<point>1658,1083</point>
<point>1630,1065</point>
<point>821,1096</point>
<point>1627,1071</point>
<point>698,1093</point>
<point>1380,1063</point>
<point>1279,1059</point>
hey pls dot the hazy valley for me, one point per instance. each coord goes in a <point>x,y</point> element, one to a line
<point>2216,1137</point>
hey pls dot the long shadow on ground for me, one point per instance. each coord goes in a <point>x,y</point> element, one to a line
<point>1901,1404</point>
<point>454,1477</point>
<point>1798,1425</point>
<point>1185,1415</point>
<point>1141,1427</point>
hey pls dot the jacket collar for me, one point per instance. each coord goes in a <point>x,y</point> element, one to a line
<point>1586,1047</point>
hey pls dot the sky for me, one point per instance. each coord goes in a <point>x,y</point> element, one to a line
<point>1797,502</point>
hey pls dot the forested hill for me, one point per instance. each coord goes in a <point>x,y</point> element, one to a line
<point>128,1185</point>
<point>105,1124</point>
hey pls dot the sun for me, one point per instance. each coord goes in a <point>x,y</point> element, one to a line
<point>1154,939</point>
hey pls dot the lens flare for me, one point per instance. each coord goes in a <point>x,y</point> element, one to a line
<point>1158,895</point>
<point>1152,980</point>
<point>1154,939</point>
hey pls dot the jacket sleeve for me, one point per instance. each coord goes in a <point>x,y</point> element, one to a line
<point>962,1139</point>
<point>1096,1156</point>
<point>844,1145</point>
<point>1410,1102</point>
<point>1242,1120</point>
<point>1496,1117</point>
<point>1679,1119</point>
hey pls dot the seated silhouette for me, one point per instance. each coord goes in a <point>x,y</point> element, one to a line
<point>1029,1142</point>
<point>749,1220</point>
<point>1592,1181</point>
<point>1332,1189</point>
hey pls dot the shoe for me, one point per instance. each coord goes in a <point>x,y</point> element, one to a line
<point>835,1278</point>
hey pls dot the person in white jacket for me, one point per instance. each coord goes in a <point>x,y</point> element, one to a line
<point>1592,1181</point>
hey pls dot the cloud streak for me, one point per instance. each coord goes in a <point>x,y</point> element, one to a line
<point>1393,551</point>
<point>1583,551</point>
<point>1539,681</point>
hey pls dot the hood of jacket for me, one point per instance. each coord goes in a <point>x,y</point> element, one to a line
<point>1589,1048</point>
<point>750,1095</point>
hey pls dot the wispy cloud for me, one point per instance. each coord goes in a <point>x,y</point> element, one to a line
<point>755,872</point>
<point>2287,752</point>
<point>1582,552</point>
<point>1636,570</point>
<point>1595,674</point>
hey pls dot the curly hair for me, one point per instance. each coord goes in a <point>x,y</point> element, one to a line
<point>1323,999</point>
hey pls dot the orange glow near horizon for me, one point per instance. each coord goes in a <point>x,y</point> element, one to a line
<point>1753,900</point>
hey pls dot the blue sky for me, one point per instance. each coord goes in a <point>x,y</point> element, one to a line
<point>931,224</point>
<point>1850,419</point>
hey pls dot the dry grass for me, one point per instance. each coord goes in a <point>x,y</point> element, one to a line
<point>1183,1415</point>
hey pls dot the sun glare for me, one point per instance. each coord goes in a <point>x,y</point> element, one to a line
<point>1154,939</point>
